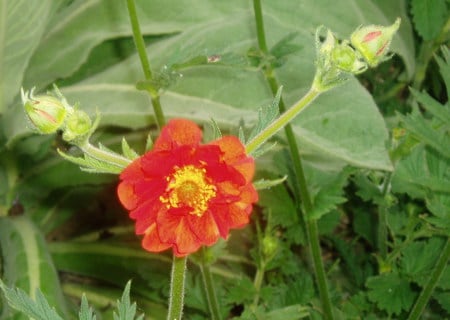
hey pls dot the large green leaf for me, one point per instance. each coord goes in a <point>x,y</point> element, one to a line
<point>343,126</point>
<point>22,23</point>
<point>26,263</point>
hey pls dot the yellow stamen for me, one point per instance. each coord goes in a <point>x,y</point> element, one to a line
<point>189,186</point>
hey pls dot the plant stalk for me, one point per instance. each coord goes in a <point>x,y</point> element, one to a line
<point>176,298</point>
<point>437,272</point>
<point>140,47</point>
<point>209,288</point>
<point>382,216</point>
<point>105,156</point>
<point>300,181</point>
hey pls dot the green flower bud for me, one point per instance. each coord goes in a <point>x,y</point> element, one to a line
<point>78,126</point>
<point>347,59</point>
<point>269,246</point>
<point>45,112</point>
<point>373,42</point>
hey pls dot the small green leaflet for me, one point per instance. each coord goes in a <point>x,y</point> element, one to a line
<point>38,310</point>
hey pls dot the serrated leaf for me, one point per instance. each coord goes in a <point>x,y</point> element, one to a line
<point>391,293</point>
<point>127,151</point>
<point>22,24</point>
<point>92,165</point>
<point>217,134</point>
<point>126,310</point>
<point>441,112</point>
<point>444,66</point>
<point>27,265</point>
<point>267,184</point>
<point>38,309</point>
<point>86,312</point>
<point>326,190</point>
<point>419,258</point>
<point>429,17</point>
<point>293,312</point>
<point>266,115</point>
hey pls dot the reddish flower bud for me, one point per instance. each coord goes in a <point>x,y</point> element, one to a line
<point>46,113</point>
<point>373,42</point>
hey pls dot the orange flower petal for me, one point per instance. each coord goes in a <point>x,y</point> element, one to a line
<point>178,132</point>
<point>151,241</point>
<point>125,192</point>
<point>186,241</point>
<point>204,227</point>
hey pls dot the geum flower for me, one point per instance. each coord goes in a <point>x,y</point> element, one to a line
<point>184,194</point>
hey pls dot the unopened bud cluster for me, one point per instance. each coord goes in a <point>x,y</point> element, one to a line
<point>368,47</point>
<point>51,112</point>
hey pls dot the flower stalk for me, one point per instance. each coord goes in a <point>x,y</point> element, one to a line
<point>176,299</point>
<point>208,283</point>
<point>284,121</point>
<point>140,47</point>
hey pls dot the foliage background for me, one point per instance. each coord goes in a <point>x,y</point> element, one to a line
<point>71,225</point>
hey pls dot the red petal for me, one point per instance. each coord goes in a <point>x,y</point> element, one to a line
<point>176,133</point>
<point>133,171</point>
<point>168,223</point>
<point>151,241</point>
<point>204,227</point>
<point>234,155</point>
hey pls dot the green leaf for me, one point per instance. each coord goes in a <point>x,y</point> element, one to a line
<point>390,292</point>
<point>126,310</point>
<point>27,264</point>
<point>86,312</point>
<point>293,312</point>
<point>90,164</point>
<point>267,184</point>
<point>419,258</point>
<point>429,17</point>
<point>326,189</point>
<point>444,66</point>
<point>266,115</point>
<point>127,151</point>
<point>22,24</point>
<point>38,309</point>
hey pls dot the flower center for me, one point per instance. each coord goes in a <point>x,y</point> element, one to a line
<point>189,186</point>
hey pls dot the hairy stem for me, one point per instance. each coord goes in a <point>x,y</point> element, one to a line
<point>176,298</point>
<point>209,288</point>
<point>425,295</point>
<point>283,121</point>
<point>140,47</point>
<point>105,156</point>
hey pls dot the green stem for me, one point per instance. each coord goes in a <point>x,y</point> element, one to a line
<point>177,288</point>
<point>382,215</point>
<point>140,47</point>
<point>209,288</point>
<point>105,156</point>
<point>425,295</point>
<point>283,121</point>
<point>257,282</point>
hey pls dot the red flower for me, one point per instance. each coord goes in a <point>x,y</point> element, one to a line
<point>184,194</point>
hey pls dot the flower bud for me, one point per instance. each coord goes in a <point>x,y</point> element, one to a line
<point>78,126</point>
<point>347,59</point>
<point>269,246</point>
<point>46,112</point>
<point>373,42</point>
